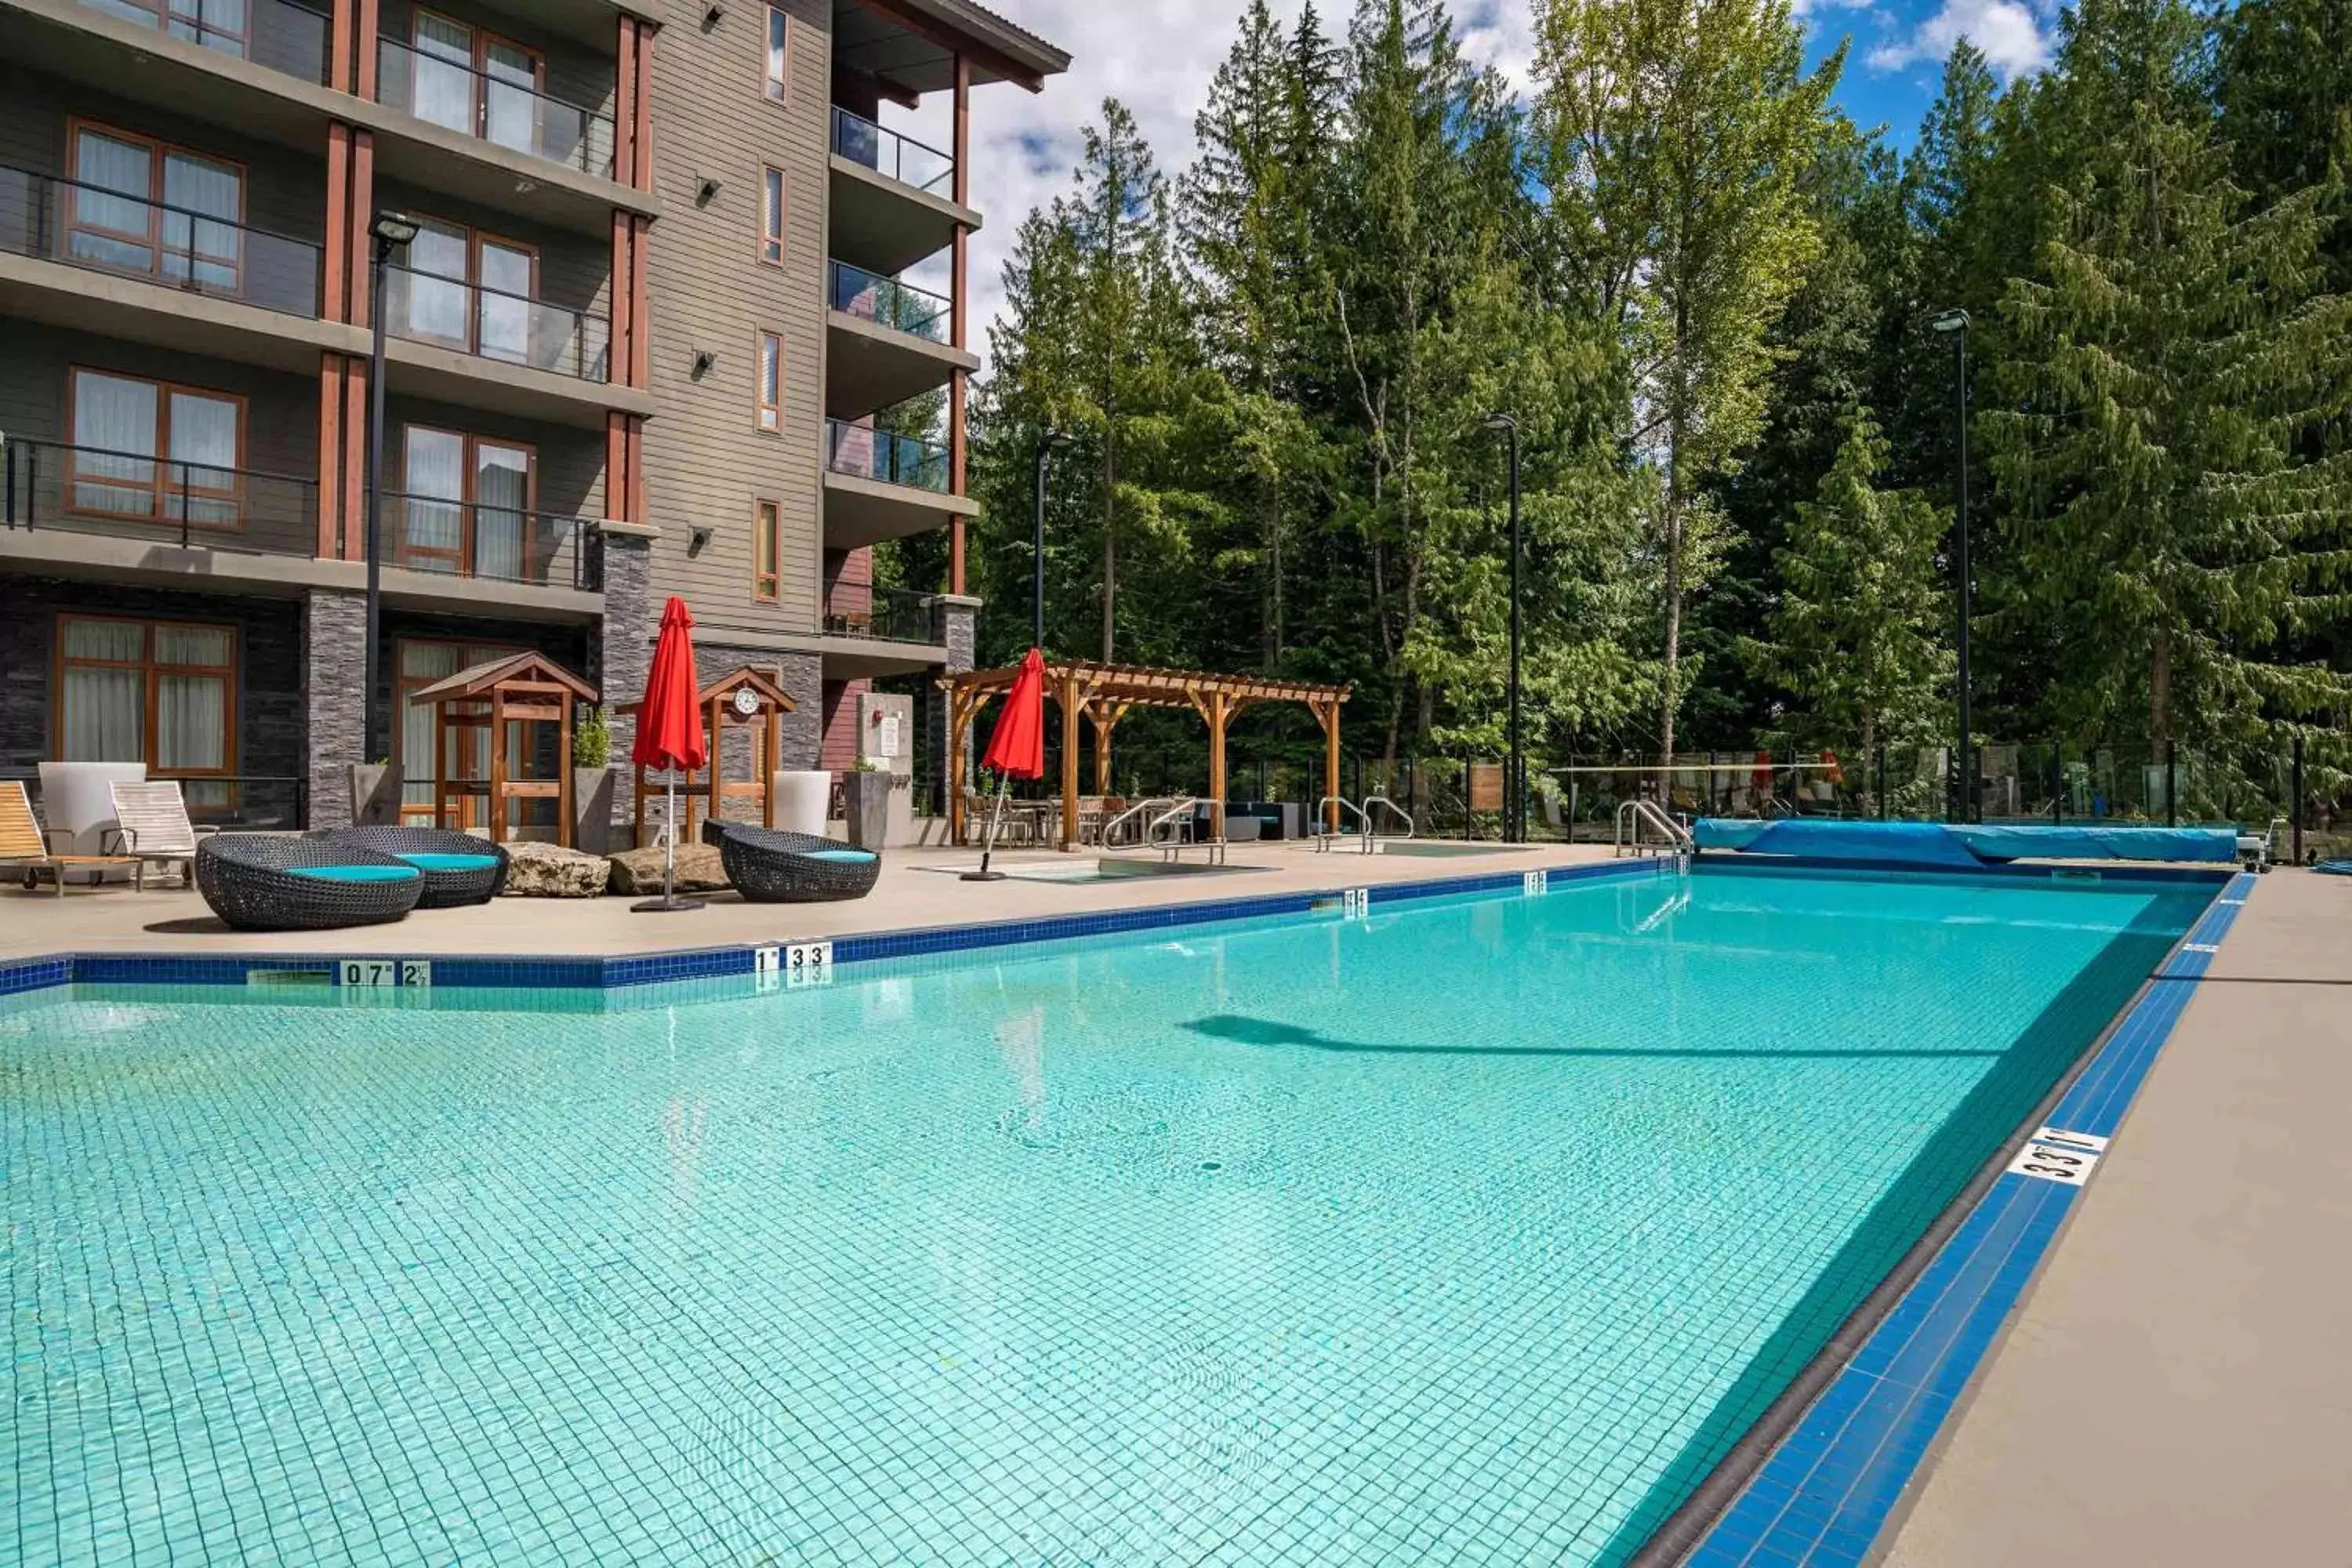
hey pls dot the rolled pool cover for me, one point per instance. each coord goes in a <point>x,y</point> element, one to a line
<point>1962,846</point>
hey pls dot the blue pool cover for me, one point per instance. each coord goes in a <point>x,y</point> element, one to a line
<point>1961,847</point>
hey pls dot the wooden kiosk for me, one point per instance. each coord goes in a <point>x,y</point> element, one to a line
<point>522,688</point>
<point>745,698</point>
<point>1102,693</point>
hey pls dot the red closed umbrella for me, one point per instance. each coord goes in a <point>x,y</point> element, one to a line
<point>1016,748</point>
<point>669,733</point>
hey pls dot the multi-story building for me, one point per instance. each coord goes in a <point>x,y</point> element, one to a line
<point>635,344</point>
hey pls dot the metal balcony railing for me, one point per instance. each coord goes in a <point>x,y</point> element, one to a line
<point>135,495</point>
<point>886,303</point>
<point>427,308</point>
<point>175,247</point>
<point>470,539</point>
<point>888,153</point>
<point>869,454</point>
<point>499,110</point>
<point>886,615</point>
<point>277,33</point>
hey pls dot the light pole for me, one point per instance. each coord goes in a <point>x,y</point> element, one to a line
<point>1955,322</point>
<point>1514,782</point>
<point>1053,441</point>
<point>392,230</point>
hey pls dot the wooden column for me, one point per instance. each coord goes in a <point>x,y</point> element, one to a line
<point>958,292</point>
<point>715,810</point>
<point>1105,716</point>
<point>1328,712</point>
<point>495,805</point>
<point>1070,760</point>
<point>1220,711</point>
<point>440,761</point>
<point>958,715</point>
<point>563,776</point>
<point>775,731</point>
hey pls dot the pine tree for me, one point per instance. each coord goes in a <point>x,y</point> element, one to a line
<point>2175,351</point>
<point>1861,634</point>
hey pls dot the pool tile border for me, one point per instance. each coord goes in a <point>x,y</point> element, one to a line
<point>1825,1494</point>
<point>602,972</point>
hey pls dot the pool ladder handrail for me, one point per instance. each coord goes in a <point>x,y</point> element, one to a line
<point>1324,838</point>
<point>1641,813</point>
<point>1402,815</point>
<point>1160,831</point>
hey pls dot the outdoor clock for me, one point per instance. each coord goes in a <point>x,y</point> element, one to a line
<point>747,702</point>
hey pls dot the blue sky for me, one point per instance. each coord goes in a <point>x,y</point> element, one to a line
<point>1157,57</point>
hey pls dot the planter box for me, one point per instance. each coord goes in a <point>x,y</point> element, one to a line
<point>375,794</point>
<point>866,802</point>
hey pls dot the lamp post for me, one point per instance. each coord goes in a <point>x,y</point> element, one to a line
<point>1955,323</point>
<point>1047,445</point>
<point>392,230</point>
<point>1514,783</point>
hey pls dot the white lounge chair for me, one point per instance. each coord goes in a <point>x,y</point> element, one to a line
<point>153,819</point>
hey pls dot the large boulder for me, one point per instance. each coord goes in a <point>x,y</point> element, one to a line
<point>639,871</point>
<point>537,870</point>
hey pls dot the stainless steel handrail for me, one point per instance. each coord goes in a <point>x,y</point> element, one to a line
<point>1323,839</point>
<point>1635,814</point>
<point>1401,814</point>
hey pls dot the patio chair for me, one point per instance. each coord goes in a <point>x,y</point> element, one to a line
<point>459,867</point>
<point>152,822</point>
<point>23,847</point>
<point>768,866</point>
<point>269,881</point>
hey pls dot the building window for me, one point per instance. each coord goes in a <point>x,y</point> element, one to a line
<point>158,692</point>
<point>472,291</point>
<point>772,382</point>
<point>772,217</point>
<point>159,453</point>
<point>465,506</point>
<point>780,45</point>
<point>419,664</point>
<point>767,548</point>
<point>139,205</point>
<point>474,82</point>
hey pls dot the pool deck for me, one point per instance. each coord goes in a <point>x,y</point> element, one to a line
<point>918,889</point>
<point>2174,1390</point>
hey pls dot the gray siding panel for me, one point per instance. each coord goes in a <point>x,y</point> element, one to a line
<point>281,416</point>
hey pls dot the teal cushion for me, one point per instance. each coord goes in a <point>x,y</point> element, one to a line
<point>451,862</point>
<point>859,854</point>
<point>358,873</point>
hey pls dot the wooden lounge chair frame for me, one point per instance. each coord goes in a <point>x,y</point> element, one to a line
<point>23,847</point>
<point>152,823</point>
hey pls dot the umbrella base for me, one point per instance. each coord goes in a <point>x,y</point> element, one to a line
<point>667,904</point>
<point>981,877</point>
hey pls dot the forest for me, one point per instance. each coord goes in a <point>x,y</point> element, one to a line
<point>1710,304</point>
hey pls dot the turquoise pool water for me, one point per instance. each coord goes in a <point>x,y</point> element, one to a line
<point>1473,1233</point>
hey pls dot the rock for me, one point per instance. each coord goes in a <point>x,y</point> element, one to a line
<point>639,871</point>
<point>551,872</point>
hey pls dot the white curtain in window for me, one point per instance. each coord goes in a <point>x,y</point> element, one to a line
<point>103,165</point>
<point>435,540</point>
<point>112,417</point>
<point>505,307</point>
<point>105,715</point>
<point>511,98</point>
<point>501,494</point>
<point>204,438</point>
<point>191,722</point>
<point>205,647</point>
<point>195,248</point>
<point>444,67</point>
<point>436,283</point>
<point>771,380</point>
<point>421,664</point>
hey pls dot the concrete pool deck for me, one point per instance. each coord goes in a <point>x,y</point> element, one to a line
<point>2174,1390</point>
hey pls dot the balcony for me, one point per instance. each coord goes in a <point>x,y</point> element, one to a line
<point>494,543</point>
<point>880,486</point>
<point>893,198</point>
<point>155,501</point>
<point>273,32</point>
<point>879,614</point>
<point>501,110</point>
<point>173,248</point>
<point>887,343</point>
<point>451,313</point>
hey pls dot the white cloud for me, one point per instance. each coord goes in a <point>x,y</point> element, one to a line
<point>2008,32</point>
<point>1154,56</point>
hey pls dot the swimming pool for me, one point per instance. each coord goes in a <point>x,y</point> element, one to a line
<point>1477,1232</point>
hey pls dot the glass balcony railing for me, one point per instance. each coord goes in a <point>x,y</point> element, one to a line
<point>141,495</point>
<point>886,614</point>
<point>500,108</point>
<point>472,538</point>
<point>277,33</point>
<point>891,156</point>
<point>173,248</point>
<point>865,453</point>
<point>426,308</point>
<point>886,303</point>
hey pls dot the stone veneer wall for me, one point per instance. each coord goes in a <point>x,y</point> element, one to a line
<point>335,686</point>
<point>955,622</point>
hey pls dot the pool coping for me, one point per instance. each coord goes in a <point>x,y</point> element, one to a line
<point>1840,1448</point>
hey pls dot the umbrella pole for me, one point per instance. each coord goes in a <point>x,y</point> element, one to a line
<point>988,845</point>
<point>669,901</point>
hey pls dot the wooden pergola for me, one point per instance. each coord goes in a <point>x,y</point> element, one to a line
<point>523,687</point>
<point>723,703</point>
<point>1102,694</point>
